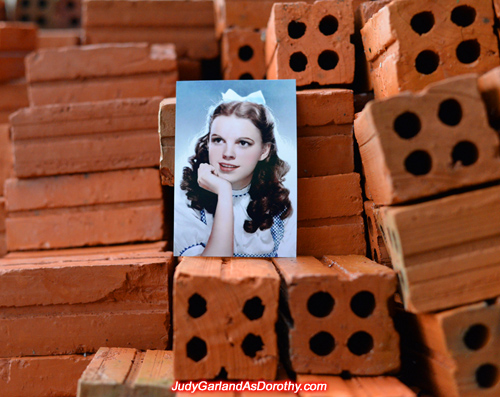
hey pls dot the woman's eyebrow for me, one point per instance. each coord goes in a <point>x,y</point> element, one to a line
<point>246,139</point>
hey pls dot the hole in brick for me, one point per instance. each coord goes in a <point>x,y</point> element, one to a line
<point>463,16</point>
<point>197,306</point>
<point>253,308</point>
<point>296,29</point>
<point>251,345</point>
<point>75,22</point>
<point>487,376</point>
<point>476,336</point>
<point>328,25</point>
<point>375,256</point>
<point>322,343</point>
<point>320,304</point>
<point>427,62</point>
<point>222,375</point>
<point>465,152</point>
<point>42,4</point>
<point>328,60</point>
<point>246,76</point>
<point>468,51</point>
<point>298,62</point>
<point>25,4</point>
<point>450,112</point>
<point>41,21</point>
<point>25,18</point>
<point>407,125</point>
<point>422,22</point>
<point>196,349</point>
<point>70,5</point>
<point>418,163</point>
<point>245,53</point>
<point>363,304</point>
<point>360,343</point>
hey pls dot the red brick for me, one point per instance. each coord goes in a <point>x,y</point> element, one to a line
<point>13,96</point>
<point>337,236</point>
<point>3,244</point>
<point>446,251</point>
<point>455,352</point>
<point>354,327</point>
<point>84,189</point>
<point>105,60</point>
<point>133,277</point>
<point>52,14</point>
<point>313,56</point>
<point>194,43</point>
<point>226,323</point>
<point>110,250</point>
<point>378,249</point>
<point>18,36</point>
<point>54,38</point>
<point>86,137</point>
<point>119,371</point>
<point>357,386</point>
<point>42,376</point>
<point>318,107</point>
<point>329,197</point>
<point>250,14</point>
<point>95,90</point>
<point>5,156</point>
<point>167,142</point>
<point>489,86</point>
<point>3,15</point>
<point>189,69</point>
<point>404,162</point>
<point>325,155</point>
<point>12,65</point>
<point>397,54</point>
<point>83,226</point>
<point>242,54</point>
<point>148,13</point>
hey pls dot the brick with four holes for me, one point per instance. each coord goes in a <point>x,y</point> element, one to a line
<point>311,42</point>
<point>418,145</point>
<point>337,314</point>
<point>410,44</point>
<point>225,311</point>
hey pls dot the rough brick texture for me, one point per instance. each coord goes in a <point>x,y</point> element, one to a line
<point>42,376</point>
<point>85,137</point>
<point>100,72</point>
<point>418,145</point>
<point>187,24</point>
<point>3,244</point>
<point>378,248</point>
<point>357,386</point>
<point>13,96</point>
<point>5,156</point>
<point>54,38</point>
<point>250,14</point>
<point>242,54</point>
<point>338,315</point>
<point>225,311</point>
<point>311,43</point>
<point>18,36</point>
<point>412,44</point>
<point>446,251</point>
<point>118,371</point>
<point>125,302</point>
<point>489,86</point>
<point>79,210</point>
<point>166,130</point>
<point>455,352</point>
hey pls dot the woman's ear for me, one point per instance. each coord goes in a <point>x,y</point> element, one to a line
<point>265,151</point>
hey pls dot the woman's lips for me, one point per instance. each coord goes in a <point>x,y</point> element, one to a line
<point>228,167</point>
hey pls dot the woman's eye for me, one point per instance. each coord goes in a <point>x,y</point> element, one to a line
<point>244,143</point>
<point>216,140</point>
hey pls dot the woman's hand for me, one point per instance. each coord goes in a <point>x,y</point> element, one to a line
<point>209,180</point>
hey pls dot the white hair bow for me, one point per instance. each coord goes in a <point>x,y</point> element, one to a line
<point>255,97</point>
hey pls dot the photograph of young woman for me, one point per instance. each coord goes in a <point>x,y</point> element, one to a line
<point>231,198</point>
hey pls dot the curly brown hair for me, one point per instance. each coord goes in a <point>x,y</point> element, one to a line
<point>268,196</point>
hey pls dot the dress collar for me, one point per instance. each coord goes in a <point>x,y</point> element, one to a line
<point>241,192</point>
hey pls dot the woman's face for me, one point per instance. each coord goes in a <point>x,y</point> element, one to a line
<point>234,149</point>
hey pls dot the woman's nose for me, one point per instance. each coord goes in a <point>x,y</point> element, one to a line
<point>228,152</point>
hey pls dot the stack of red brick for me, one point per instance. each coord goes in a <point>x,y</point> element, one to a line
<point>187,24</point>
<point>432,169</point>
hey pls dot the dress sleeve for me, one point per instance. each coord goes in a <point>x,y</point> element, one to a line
<point>191,231</point>
<point>288,245</point>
